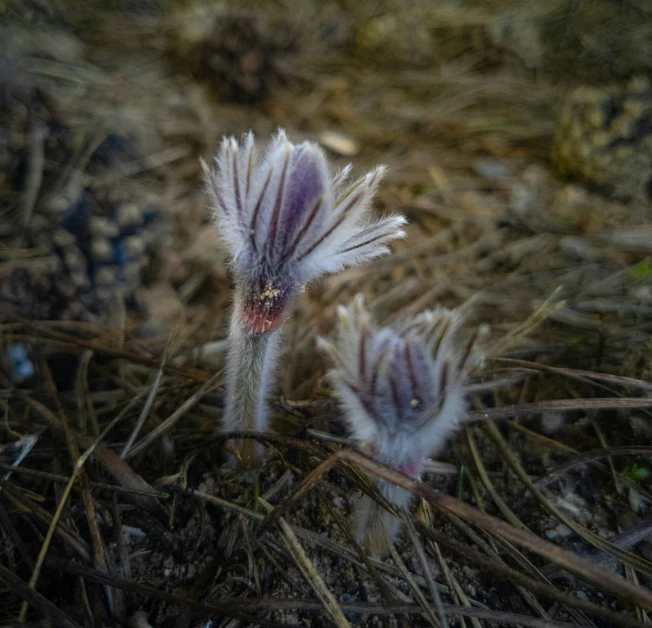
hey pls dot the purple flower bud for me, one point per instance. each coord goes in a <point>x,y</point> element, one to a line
<point>287,221</point>
<point>403,388</point>
<point>403,394</point>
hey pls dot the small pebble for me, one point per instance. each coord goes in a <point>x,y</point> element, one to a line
<point>139,620</point>
<point>552,422</point>
<point>339,143</point>
<point>641,426</point>
<point>73,258</point>
<point>135,246</point>
<point>63,237</point>
<point>129,215</point>
<point>635,500</point>
<point>80,279</point>
<point>105,276</point>
<point>101,250</point>
<point>99,226</point>
<point>58,203</point>
<point>131,272</point>
<point>21,367</point>
<point>490,168</point>
<point>106,294</point>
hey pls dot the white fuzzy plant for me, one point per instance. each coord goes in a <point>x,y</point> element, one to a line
<point>286,220</point>
<point>402,390</point>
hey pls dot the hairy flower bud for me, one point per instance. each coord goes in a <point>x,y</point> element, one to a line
<point>286,221</point>
<point>402,389</point>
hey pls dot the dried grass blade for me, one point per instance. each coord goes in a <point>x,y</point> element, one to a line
<point>558,405</point>
<point>434,593</point>
<point>425,607</point>
<point>150,398</point>
<point>623,556</point>
<point>79,466</point>
<point>35,599</point>
<point>175,416</point>
<point>572,563</point>
<point>305,565</point>
<point>129,356</point>
<point>579,374</point>
<point>231,606</point>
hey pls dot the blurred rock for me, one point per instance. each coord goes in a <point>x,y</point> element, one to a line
<point>339,143</point>
<point>491,169</point>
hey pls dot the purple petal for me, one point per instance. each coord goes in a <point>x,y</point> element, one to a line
<point>305,185</point>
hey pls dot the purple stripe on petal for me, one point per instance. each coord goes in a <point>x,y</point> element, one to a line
<point>443,381</point>
<point>396,399</point>
<point>444,331</point>
<point>215,188</point>
<point>305,185</point>
<point>254,218</point>
<point>411,372</point>
<point>236,184</point>
<point>291,248</point>
<point>276,212</point>
<point>250,165</point>
<point>404,385</point>
<point>375,373</point>
<point>361,244</point>
<point>467,351</point>
<point>335,225</point>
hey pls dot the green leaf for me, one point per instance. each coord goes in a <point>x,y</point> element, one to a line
<point>641,271</point>
<point>638,473</point>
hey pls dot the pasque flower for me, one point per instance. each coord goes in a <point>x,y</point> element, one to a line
<point>286,221</point>
<point>402,390</point>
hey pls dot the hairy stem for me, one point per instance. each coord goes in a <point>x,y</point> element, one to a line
<point>376,527</point>
<point>249,375</point>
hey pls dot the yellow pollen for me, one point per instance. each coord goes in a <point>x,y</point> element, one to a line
<point>270,293</point>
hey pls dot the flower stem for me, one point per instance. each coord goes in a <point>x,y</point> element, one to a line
<point>376,527</point>
<point>249,375</point>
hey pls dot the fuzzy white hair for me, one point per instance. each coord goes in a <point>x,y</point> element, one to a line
<point>286,220</point>
<point>402,390</point>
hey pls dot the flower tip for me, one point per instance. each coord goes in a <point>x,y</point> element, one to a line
<point>376,175</point>
<point>281,136</point>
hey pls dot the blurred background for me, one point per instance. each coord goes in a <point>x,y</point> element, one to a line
<point>484,111</point>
